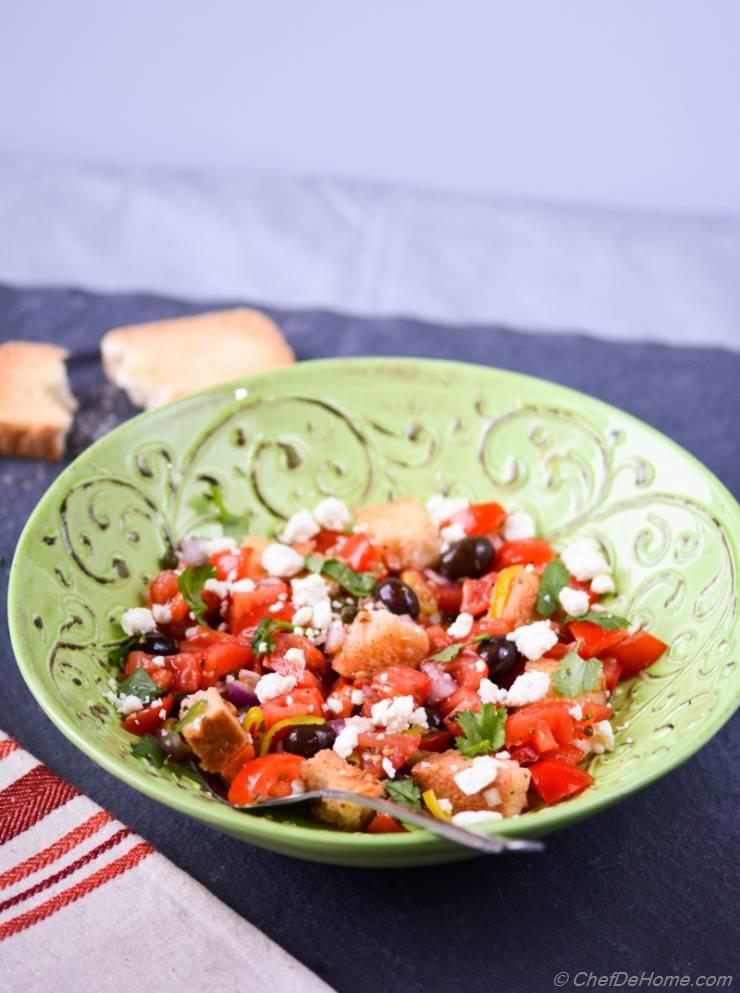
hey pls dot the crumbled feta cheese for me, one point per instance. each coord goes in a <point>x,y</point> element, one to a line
<point>335,636</point>
<point>241,585</point>
<point>467,818</point>
<point>138,620</point>
<point>528,688</point>
<point>157,660</point>
<point>218,586</point>
<point>161,613</point>
<point>474,778</point>
<point>452,533</point>
<point>503,754</point>
<point>309,591</point>
<point>603,583</point>
<point>300,527</point>
<point>272,685</point>
<point>282,560</point>
<point>398,713</point>
<point>461,626</point>
<point>574,602</point>
<point>533,640</point>
<point>217,545</point>
<point>334,704</point>
<point>492,797</point>
<point>322,616</point>
<point>480,666</point>
<point>296,656</point>
<point>602,739</point>
<point>303,616</point>
<point>388,768</point>
<point>332,514</point>
<point>192,631</point>
<point>441,508</point>
<point>584,560</point>
<point>444,804</point>
<point>576,712</point>
<point>346,741</point>
<point>297,787</point>
<point>125,703</point>
<point>519,526</point>
<point>357,698</point>
<point>162,714</point>
<point>489,692</point>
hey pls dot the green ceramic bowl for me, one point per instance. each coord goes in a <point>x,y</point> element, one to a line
<point>366,430</point>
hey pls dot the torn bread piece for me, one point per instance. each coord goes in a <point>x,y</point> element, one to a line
<point>36,404</point>
<point>164,360</point>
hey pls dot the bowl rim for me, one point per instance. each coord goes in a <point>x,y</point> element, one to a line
<point>323,841</point>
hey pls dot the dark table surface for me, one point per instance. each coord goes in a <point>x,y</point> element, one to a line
<point>650,885</point>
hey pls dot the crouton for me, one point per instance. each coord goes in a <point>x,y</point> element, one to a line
<point>377,639</point>
<point>256,543</point>
<point>328,771</point>
<point>216,735</point>
<point>522,600</point>
<point>551,666</point>
<point>507,794</point>
<point>403,532</point>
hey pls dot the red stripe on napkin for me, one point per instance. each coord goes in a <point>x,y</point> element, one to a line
<point>30,798</point>
<point>43,858</point>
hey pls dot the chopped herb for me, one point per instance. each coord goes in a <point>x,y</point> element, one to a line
<point>147,747</point>
<point>234,525</point>
<point>191,583</point>
<point>554,579</point>
<point>575,675</point>
<point>609,622</point>
<point>262,640</point>
<point>140,684</point>
<point>404,791</point>
<point>483,732</point>
<point>117,655</point>
<point>452,651</point>
<point>195,711</point>
<point>356,583</point>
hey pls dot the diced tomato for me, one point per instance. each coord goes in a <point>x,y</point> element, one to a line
<point>612,670</point>
<point>447,594</point>
<point>479,518</point>
<point>328,542</point>
<point>468,670</point>
<point>438,638</point>
<point>544,725</point>
<point>148,719</point>
<point>555,780</point>
<point>223,658</point>
<point>492,626</point>
<point>247,609</point>
<point>339,700</point>
<point>298,702</point>
<point>594,639</point>
<point>462,699</point>
<point>636,652</point>
<point>525,754</point>
<point>569,754</point>
<point>374,746</point>
<point>528,551</point>
<point>476,595</point>
<point>436,741</point>
<point>159,674</point>
<point>188,670</point>
<point>401,680</point>
<point>558,651</point>
<point>266,778</point>
<point>284,641</point>
<point>205,637</point>
<point>384,824</point>
<point>359,553</point>
<point>584,587</point>
<point>164,587</point>
<point>236,562</point>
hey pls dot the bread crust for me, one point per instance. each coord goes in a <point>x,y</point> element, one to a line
<point>36,404</point>
<point>164,360</point>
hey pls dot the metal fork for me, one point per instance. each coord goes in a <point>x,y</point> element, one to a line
<point>488,844</point>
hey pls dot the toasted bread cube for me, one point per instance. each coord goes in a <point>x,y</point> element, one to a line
<point>507,794</point>
<point>403,532</point>
<point>329,771</point>
<point>215,735</point>
<point>522,600</point>
<point>551,666</point>
<point>256,544</point>
<point>377,639</point>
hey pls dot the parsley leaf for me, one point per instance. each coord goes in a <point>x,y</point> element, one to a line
<point>147,747</point>
<point>195,711</point>
<point>483,732</point>
<point>576,675</point>
<point>117,655</point>
<point>263,635</point>
<point>404,791</point>
<point>609,622</point>
<point>452,651</point>
<point>234,525</point>
<point>140,684</point>
<point>191,583</point>
<point>554,579</point>
<point>356,583</point>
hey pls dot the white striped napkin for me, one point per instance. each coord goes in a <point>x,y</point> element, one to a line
<point>87,906</point>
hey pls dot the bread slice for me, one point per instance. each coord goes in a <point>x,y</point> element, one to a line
<point>36,403</point>
<point>165,360</point>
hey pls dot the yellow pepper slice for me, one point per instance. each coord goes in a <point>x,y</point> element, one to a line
<point>286,722</point>
<point>253,720</point>
<point>430,799</point>
<point>502,589</point>
<point>416,581</point>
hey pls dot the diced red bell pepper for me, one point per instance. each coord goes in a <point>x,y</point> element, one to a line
<point>298,702</point>
<point>476,594</point>
<point>612,671</point>
<point>528,551</point>
<point>594,639</point>
<point>479,518</point>
<point>636,652</point>
<point>558,651</point>
<point>447,594</point>
<point>268,777</point>
<point>569,754</point>
<point>384,824</point>
<point>327,542</point>
<point>555,780</point>
<point>148,719</point>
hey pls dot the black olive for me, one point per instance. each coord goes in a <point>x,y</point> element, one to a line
<point>398,597</point>
<point>471,557</point>
<point>307,739</point>
<point>434,719</point>
<point>158,644</point>
<point>500,655</point>
<point>348,612</point>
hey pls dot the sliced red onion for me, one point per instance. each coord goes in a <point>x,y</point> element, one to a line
<point>338,725</point>
<point>193,552</point>
<point>240,695</point>
<point>442,684</point>
<point>173,744</point>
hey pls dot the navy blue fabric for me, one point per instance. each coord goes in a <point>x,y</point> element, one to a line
<point>650,885</point>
